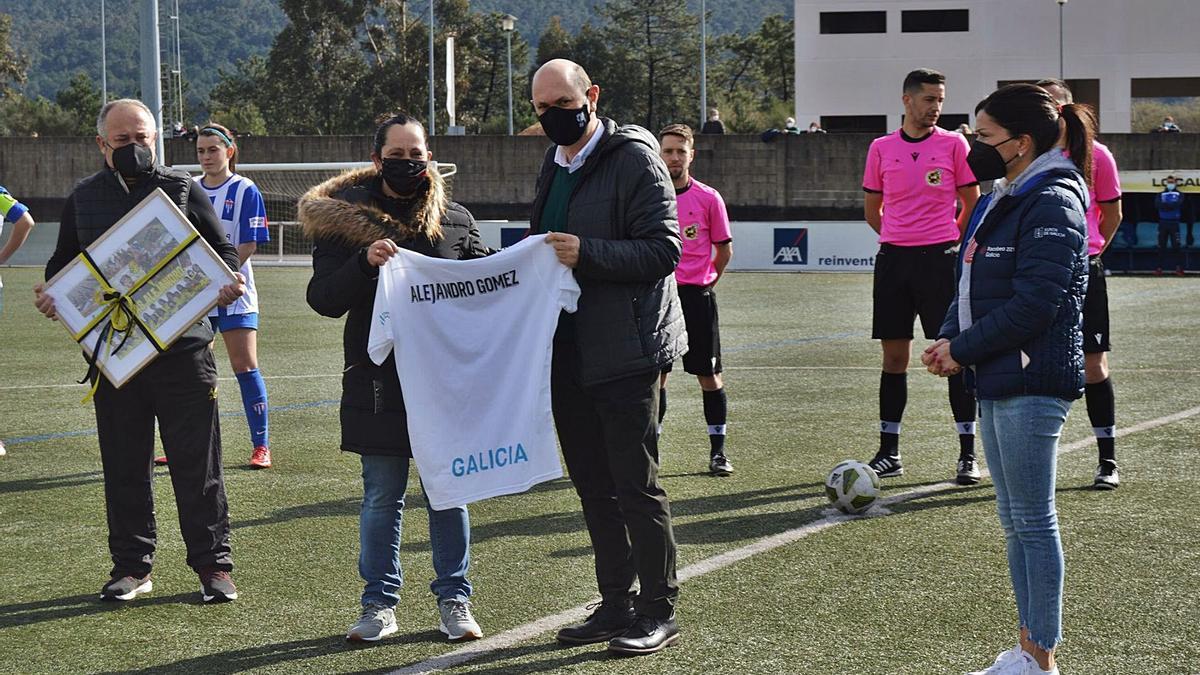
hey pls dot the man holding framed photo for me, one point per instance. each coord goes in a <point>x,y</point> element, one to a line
<point>178,388</point>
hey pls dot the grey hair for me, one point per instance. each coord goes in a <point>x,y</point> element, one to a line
<point>103,116</point>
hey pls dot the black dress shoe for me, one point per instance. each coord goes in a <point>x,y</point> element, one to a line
<point>607,622</point>
<point>647,636</point>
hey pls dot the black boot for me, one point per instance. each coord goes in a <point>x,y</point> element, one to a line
<point>647,636</point>
<point>608,621</point>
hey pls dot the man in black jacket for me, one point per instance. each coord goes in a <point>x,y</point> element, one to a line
<point>178,388</point>
<point>607,202</point>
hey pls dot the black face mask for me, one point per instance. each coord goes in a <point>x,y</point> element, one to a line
<point>986,162</point>
<point>563,126</point>
<point>133,161</point>
<point>404,176</point>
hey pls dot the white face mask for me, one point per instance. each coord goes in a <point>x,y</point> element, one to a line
<point>1170,186</point>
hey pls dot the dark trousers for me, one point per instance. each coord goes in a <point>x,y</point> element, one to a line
<point>609,441</point>
<point>1168,239</point>
<point>179,389</point>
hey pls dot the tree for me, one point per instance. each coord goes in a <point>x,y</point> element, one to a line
<point>81,99</point>
<point>314,61</point>
<point>397,54</point>
<point>12,64</point>
<point>21,116</point>
<point>555,43</point>
<point>656,46</point>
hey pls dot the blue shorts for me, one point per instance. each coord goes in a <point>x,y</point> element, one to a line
<point>233,322</point>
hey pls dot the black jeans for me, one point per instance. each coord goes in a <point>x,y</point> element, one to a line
<point>609,441</point>
<point>179,389</point>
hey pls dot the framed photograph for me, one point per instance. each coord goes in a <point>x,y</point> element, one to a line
<point>167,275</point>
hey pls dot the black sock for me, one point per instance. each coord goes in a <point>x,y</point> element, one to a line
<point>893,395</point>
<point>715,410</point>
<point>662,406</point>
<point>962,404</point>
<point>1102,411</point>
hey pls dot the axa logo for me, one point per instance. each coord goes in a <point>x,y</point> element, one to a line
<point>791,246</point>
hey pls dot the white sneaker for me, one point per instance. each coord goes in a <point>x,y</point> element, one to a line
<point>375,622</point>
<point>1015,661</point>
<point>457,622</point>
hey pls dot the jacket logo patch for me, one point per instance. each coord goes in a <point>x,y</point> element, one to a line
<point>934,178</point>
<point>1048,232</point>
<point>691,231</point>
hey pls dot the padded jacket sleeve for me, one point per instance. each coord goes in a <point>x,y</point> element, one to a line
<point>1049,238</point>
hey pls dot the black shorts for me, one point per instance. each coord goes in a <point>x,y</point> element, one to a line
<point>703,356</point>
<point>912,281</point>
<point>1095,310</point>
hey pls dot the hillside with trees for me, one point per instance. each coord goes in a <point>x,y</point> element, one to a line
<point>329,67</point>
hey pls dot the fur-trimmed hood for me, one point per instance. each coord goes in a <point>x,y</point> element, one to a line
<point>344,208</point>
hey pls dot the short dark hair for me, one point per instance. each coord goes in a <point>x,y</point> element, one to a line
<point>681,130</point>
<point>389,120</point>
<point>920,76</point>
<point>1061,84</point>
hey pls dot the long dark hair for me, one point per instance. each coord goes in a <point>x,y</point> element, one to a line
<point>226,137</point>
<point>1028,109</point>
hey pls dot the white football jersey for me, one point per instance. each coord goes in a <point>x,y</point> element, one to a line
<point>473,341</point>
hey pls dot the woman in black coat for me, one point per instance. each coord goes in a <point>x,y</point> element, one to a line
<point>358,221</point>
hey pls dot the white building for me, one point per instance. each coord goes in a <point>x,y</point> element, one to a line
<point>852,55</point>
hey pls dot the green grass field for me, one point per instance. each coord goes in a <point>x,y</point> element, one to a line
<point>923,590</point>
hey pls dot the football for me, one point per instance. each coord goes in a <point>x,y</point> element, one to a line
<point>852,487</point>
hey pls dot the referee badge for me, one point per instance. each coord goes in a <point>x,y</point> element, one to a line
<point>691,231</point>
<point>934,178</point>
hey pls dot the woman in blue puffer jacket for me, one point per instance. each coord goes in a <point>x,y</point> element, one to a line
<point>1015,324</point>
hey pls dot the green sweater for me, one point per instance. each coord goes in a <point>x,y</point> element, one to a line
<point>554,211</point>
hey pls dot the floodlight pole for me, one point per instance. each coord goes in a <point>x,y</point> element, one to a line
<point>103,55</point>
<point>152,69</point>
<point>507,23</point>
<point>431,54</point>
<point>703,63</point>
<point>1060,39</point>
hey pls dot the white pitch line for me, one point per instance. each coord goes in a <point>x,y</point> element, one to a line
<point>528,631</point>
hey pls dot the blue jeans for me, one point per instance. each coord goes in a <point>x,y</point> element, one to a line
<point>1020,439</point>
<point>385,480</point>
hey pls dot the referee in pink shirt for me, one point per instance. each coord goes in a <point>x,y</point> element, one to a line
<point>914,182</point>
<point>707,249</point>
<point>1103,219</point>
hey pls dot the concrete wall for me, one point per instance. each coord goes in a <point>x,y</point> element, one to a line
<point>792,178</point>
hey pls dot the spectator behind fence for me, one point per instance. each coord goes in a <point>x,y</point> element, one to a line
<point>1168,126</point>
<point>814,127</point>
<point>714,125</point>
<point>1169,203</point>
<point>789,126</point>
<point>964,129</point>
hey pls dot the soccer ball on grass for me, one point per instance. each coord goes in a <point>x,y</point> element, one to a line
<point>852,487</point>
